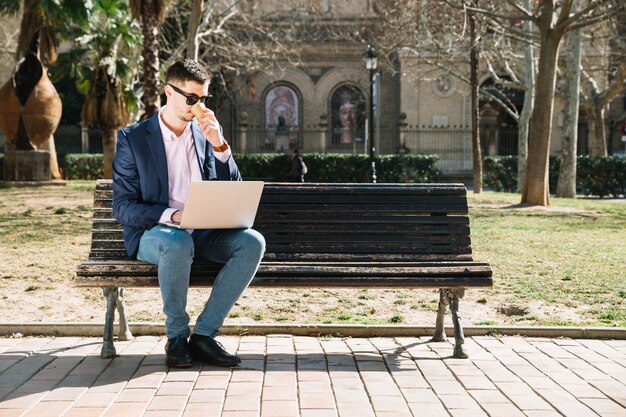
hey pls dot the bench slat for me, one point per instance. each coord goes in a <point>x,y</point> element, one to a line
<point>303,282</point>
<point>428,275</point>
<point>104,188</point>
<point>330,247</point>
<point>106,218</point>
<point>372,209</point>
<point>372,228</point>
<point>295,231</point>
<point>359,210</point>
<point>120,255</point>
<point>316,238</point>
<point>342,199</point>
<point>300,268</point>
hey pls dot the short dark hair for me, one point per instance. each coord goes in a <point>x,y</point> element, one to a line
<point>186,70</point>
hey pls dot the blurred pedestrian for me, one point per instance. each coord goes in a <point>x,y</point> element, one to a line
<point>298,167</point>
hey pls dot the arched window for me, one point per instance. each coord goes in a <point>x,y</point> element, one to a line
<point>347,109</point>
<point>282,117</point>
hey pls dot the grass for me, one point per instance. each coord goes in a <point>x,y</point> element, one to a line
<point>565,265</point>
<point>572,257</point>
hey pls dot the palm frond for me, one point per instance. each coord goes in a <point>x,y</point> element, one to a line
<point>9,7</point>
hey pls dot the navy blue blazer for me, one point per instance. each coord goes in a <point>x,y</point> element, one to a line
<point>140,178</point>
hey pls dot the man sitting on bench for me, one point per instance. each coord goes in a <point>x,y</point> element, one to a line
<point>155,161</point>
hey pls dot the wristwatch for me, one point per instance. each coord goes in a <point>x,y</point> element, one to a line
<point>221,148</point>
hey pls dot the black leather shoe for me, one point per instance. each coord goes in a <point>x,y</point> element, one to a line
<point>208,350</point>
<point>177,354</point>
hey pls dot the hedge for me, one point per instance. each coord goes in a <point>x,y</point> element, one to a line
<point>321,167</point>
<point>595,175</point>
<point>83,166</point>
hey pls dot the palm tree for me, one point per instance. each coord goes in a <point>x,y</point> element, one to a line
<point>45,17</point>
<point>150,14</point>
<point>103,61</point>
<point>42,18</point>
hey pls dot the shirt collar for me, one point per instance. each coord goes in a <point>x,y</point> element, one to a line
<point>168,135</point>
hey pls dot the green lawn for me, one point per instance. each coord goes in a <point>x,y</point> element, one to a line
<point>572,254</point>
<point>565,265</point>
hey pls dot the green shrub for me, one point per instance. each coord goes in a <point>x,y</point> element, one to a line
<point>265,166</point>
<point>340,167</point>
<point>1,166</point>
<point>602,176</point>
<point>500,173</point>
<point>594,175</point>
<point>407,168</point>
<point>321,167</point>
<point>83,166</point>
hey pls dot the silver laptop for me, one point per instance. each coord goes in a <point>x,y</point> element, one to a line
<point>220,205</point>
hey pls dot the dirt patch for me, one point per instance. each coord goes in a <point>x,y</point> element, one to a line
<point>542,209</point>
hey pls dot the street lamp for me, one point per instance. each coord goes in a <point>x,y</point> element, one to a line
<point>370,64</point>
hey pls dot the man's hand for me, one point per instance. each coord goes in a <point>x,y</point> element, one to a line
<point>209,124</point>
<point>177,216</point>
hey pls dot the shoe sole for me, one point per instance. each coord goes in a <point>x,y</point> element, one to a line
<point>179,365</point>
<point>200,358</point>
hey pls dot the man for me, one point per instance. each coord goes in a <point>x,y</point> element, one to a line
<point>155,161</point>
<point>298,167</point>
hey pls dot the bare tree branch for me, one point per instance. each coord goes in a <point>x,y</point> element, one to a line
<point>568,21</point>
<point>525,12</point>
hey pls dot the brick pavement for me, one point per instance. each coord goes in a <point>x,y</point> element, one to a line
<point>284,375</point>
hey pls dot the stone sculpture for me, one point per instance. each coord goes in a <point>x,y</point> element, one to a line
<point>30,111</point>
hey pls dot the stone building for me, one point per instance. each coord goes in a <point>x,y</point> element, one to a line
<point>423,109</point>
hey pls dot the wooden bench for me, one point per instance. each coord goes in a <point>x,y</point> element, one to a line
<point>322,235</point>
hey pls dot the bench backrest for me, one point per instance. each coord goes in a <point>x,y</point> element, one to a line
<point>337,222</point>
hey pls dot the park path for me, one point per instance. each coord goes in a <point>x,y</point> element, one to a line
<point>285,375</point>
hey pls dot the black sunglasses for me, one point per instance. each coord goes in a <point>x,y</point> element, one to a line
<point>192,98</point>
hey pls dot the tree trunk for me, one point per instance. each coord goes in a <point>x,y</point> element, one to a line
<point>48,145</point>
<point>596,108</point>
<point>566,187</point>
<point>195,18</point>
<point>151,82</point>
<point>109,141</point>
<point>529,102</point>
<point>474,56</point>
<point>535,188</point>
<point>597,132</point>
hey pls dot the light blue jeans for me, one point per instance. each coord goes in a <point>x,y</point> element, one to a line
<point>173,251</point>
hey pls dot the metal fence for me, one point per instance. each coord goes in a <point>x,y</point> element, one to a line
<point>453,145</point>
<point>68,138</point>
<point>313,139</point>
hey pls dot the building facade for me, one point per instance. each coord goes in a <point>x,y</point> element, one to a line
<point>322,104</point>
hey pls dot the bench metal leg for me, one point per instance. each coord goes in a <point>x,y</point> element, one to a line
<point>124,332</point>
<point>108,348</point>
<point>450,297</point>
<point>115,300</point>
<point>440,334</point>
<point>459,338</point>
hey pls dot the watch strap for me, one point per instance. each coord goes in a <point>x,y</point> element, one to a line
<point>221,148</point>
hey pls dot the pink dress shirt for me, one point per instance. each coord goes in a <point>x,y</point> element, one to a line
<point>182,166</point>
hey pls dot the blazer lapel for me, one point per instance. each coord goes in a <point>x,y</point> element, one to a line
<point>201,147</point>
<point>154,140</point>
